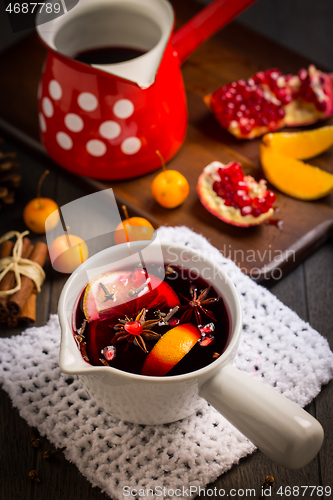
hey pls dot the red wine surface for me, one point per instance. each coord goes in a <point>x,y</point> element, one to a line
<point>108,55</point>
<point>129,357</point>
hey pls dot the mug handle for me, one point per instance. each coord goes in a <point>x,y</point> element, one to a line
<point>283,431</point>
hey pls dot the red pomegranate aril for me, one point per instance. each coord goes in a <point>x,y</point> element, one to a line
<point>216,186</point>
<point>243,186</point>
<point>302,74</point>
<point>270,197</point>
<point>247,210</point>
<point>245,129</point>
<point>322,106</point>
<point>256,212</point>
<point>109,352</point>
<point>242,199</point>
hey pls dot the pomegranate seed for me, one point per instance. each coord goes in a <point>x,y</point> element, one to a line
<point>173,322</point>
<point>241,84</point>
<point>225,179</point>
<point>238,98</point>
<point>242,199</point>
<point>228,95</point>
<point>242,185</point>
<point>228,202</point>
<point>259,77</point>
<point>109,352</point>
<point>204,329</point>
<point>321,105</point>
<point>230,106</point>
<point>270,197</point>
<point>256,212</point>
<point>247,210</point>
<point>245,129</point>
<point>302,74</point>
<point>281,113</point>
<point>207,340</point>
<point>134,327</point>
<point>216,186</point>
<point>251,82</point>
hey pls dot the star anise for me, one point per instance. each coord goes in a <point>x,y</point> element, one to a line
<point>196,303</point>
<point>136,330</point>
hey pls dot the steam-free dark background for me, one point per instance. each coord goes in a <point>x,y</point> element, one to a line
<point>302,25</point>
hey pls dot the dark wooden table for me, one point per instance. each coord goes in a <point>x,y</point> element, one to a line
<point>308,289</point>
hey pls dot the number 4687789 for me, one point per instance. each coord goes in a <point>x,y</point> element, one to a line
<point>302,491</point>
<point>31,7</point>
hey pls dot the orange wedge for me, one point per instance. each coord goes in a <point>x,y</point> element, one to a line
<point>301,145</point>
<point>293,177</point>
<point>170,349</point>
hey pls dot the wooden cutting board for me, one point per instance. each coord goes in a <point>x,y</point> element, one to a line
<point>265,252</point>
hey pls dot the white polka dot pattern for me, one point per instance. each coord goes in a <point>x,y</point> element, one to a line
<point>96,147</point>
<point>123,108</point>
<point>47,107</point>
<point>131,145</point>
<point>64,140</point>
<point>74,122</point>
<point>42,122</point>
<point>87,101</point>
<point>55,90</point>
<point>110,129</point>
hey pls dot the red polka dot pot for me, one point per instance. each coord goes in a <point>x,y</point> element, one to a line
<point>107,119</point>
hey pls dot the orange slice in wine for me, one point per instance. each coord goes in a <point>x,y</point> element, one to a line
<point>170,349</point>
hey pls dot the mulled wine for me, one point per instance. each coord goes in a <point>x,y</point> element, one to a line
<point>108,55</point>
<point>181,325</point>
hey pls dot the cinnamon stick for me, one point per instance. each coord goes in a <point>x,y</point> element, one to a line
<point>29,309</point>
<point>8,281</point>
<point>17,301</point>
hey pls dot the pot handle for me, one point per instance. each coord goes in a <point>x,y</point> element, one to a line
<point>283,431</point>
<point>204,24</point>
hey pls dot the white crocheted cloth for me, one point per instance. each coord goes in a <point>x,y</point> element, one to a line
<point>277,347</point>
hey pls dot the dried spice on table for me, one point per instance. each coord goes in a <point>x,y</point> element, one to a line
<point>18,293</point>
<point>10,179</point>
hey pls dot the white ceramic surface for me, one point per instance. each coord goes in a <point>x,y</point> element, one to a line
<point>283,431</point>
<point>142,24</point>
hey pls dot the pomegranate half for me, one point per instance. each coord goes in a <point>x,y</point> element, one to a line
<point>233,197</point>
<point>270,100</point>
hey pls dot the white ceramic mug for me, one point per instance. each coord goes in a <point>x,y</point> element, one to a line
<point>283,431</point>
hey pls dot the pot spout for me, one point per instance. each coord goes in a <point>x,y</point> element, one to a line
<point>205,24</point>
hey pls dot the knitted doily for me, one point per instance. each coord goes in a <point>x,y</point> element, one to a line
<point>277,348</point>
